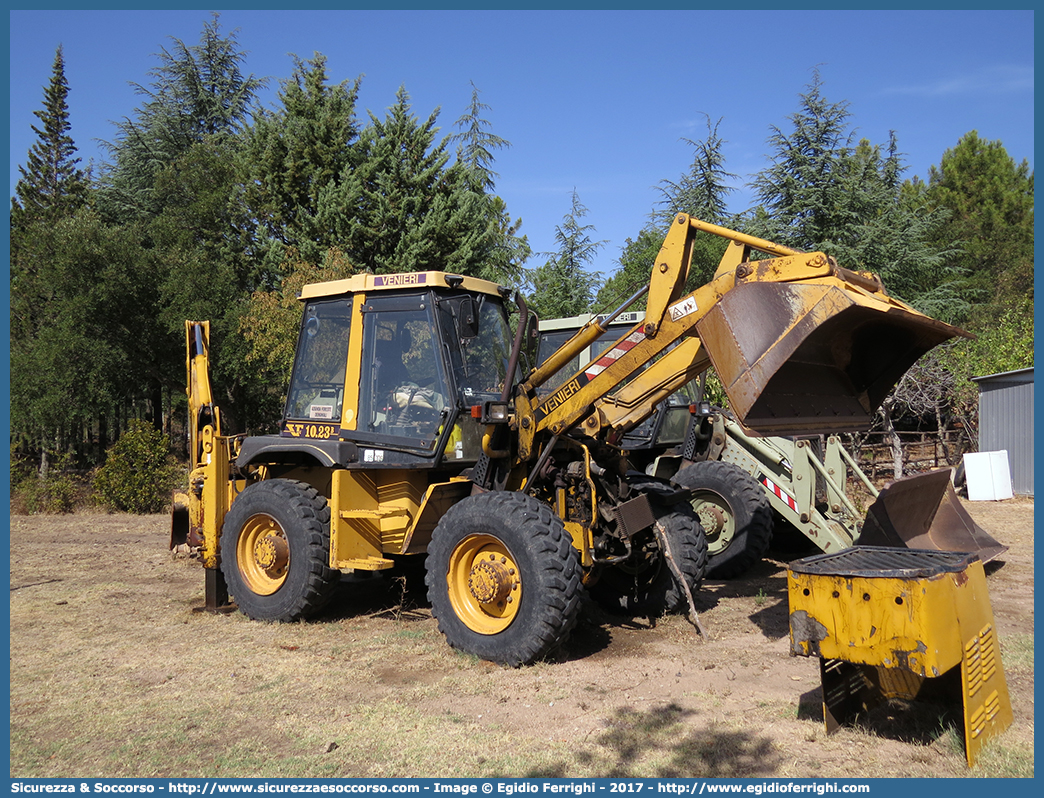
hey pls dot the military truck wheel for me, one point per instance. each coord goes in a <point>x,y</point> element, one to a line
<point>503,578</point>
<point>645,584</point>
<point>275,551</point>
<point>735,514</point>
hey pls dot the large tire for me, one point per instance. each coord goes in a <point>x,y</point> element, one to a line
<point>735,514</point>
<point>503,578</point>
<point>645,584</point>
<point>275,551</point>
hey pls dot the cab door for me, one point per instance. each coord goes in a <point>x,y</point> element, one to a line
<point>404,394</point>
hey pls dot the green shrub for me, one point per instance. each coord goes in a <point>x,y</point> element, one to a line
<point>57,492</point>
<point>139,472</point>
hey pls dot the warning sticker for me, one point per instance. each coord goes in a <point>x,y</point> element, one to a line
<point>683,308</point>
<point>610,357</point>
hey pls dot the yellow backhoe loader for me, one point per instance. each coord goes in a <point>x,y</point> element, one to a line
<point>410,428</point>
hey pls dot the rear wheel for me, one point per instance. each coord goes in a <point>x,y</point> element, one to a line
<point>275,551</point>
<point>503,578</point>
<point>734,512</point>
<point>645,584</point>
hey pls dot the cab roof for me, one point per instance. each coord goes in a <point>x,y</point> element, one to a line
<point>367,283</point>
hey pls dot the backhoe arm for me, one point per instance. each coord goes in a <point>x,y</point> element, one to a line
<point>202,412</point>
<point>198,513</point>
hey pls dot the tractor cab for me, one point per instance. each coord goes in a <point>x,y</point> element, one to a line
<point>394,363</point>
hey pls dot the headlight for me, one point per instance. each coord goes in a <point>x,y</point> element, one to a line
<point>490,412</point>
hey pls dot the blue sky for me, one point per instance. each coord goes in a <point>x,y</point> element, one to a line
<point>596,101</point>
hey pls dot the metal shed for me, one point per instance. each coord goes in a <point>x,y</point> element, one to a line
<point>1006,422</point>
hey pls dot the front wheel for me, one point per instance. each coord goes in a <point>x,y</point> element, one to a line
<point>734,512</point>
<point>275,551</point>
<point>503,578</point>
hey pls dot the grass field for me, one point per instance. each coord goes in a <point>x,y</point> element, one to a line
<point>113,674</point>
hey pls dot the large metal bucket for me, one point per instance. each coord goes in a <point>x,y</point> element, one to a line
<point>923,512</point>
<point>813,357</point>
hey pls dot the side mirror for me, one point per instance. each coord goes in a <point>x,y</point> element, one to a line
<point>468,318</point>
<point>312,326</point>
<point>531,342</point>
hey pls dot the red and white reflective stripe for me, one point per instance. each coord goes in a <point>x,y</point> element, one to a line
<point>772,486</point>
<point>610,357</point>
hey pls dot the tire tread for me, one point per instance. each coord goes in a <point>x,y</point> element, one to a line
<point>310,513</point>
<point>752,541</point>
<point>558,578</point>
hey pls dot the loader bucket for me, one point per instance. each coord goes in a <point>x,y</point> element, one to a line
<point>179,520</point>
<point>923,512</point>
<point>813,357</point>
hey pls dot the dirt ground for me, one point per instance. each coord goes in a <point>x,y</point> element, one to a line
<point>114,674</point>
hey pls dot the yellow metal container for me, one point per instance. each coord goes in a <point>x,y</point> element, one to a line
<point>886,621</point>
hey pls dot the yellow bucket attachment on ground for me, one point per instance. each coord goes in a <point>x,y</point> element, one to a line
<point>179,519</point>
<point>923,512</point>
<point>900,623</point>
<point>813,357</point>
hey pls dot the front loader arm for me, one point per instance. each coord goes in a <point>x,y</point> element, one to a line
<point>801,345</point>
<point>573,401</point>
<point>627,407</point>
<point>671,270</point>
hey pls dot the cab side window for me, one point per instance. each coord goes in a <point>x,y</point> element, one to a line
<point>317,386</point>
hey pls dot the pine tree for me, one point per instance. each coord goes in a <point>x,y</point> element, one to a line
<point>83,338</point>
<point>805,192</point>
<point>990,200</point>
<point>172,181</point>
<point>197,92</point>
<point>504,260</point>
<point>704,190</point>
<point>291,155</point>
<point>892,234</point>
<point>563,286</point>
<point>51,188</point>
<point>402,207</point>
<point>51,185</point>
<point>475,150</point>
<point>476,144</point>
<point>822,192</point>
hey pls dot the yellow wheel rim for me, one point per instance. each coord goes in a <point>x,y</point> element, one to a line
<point>485,584</point>
<point>263,554</point>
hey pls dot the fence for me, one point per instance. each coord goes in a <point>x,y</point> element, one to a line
<point>922,451</point>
